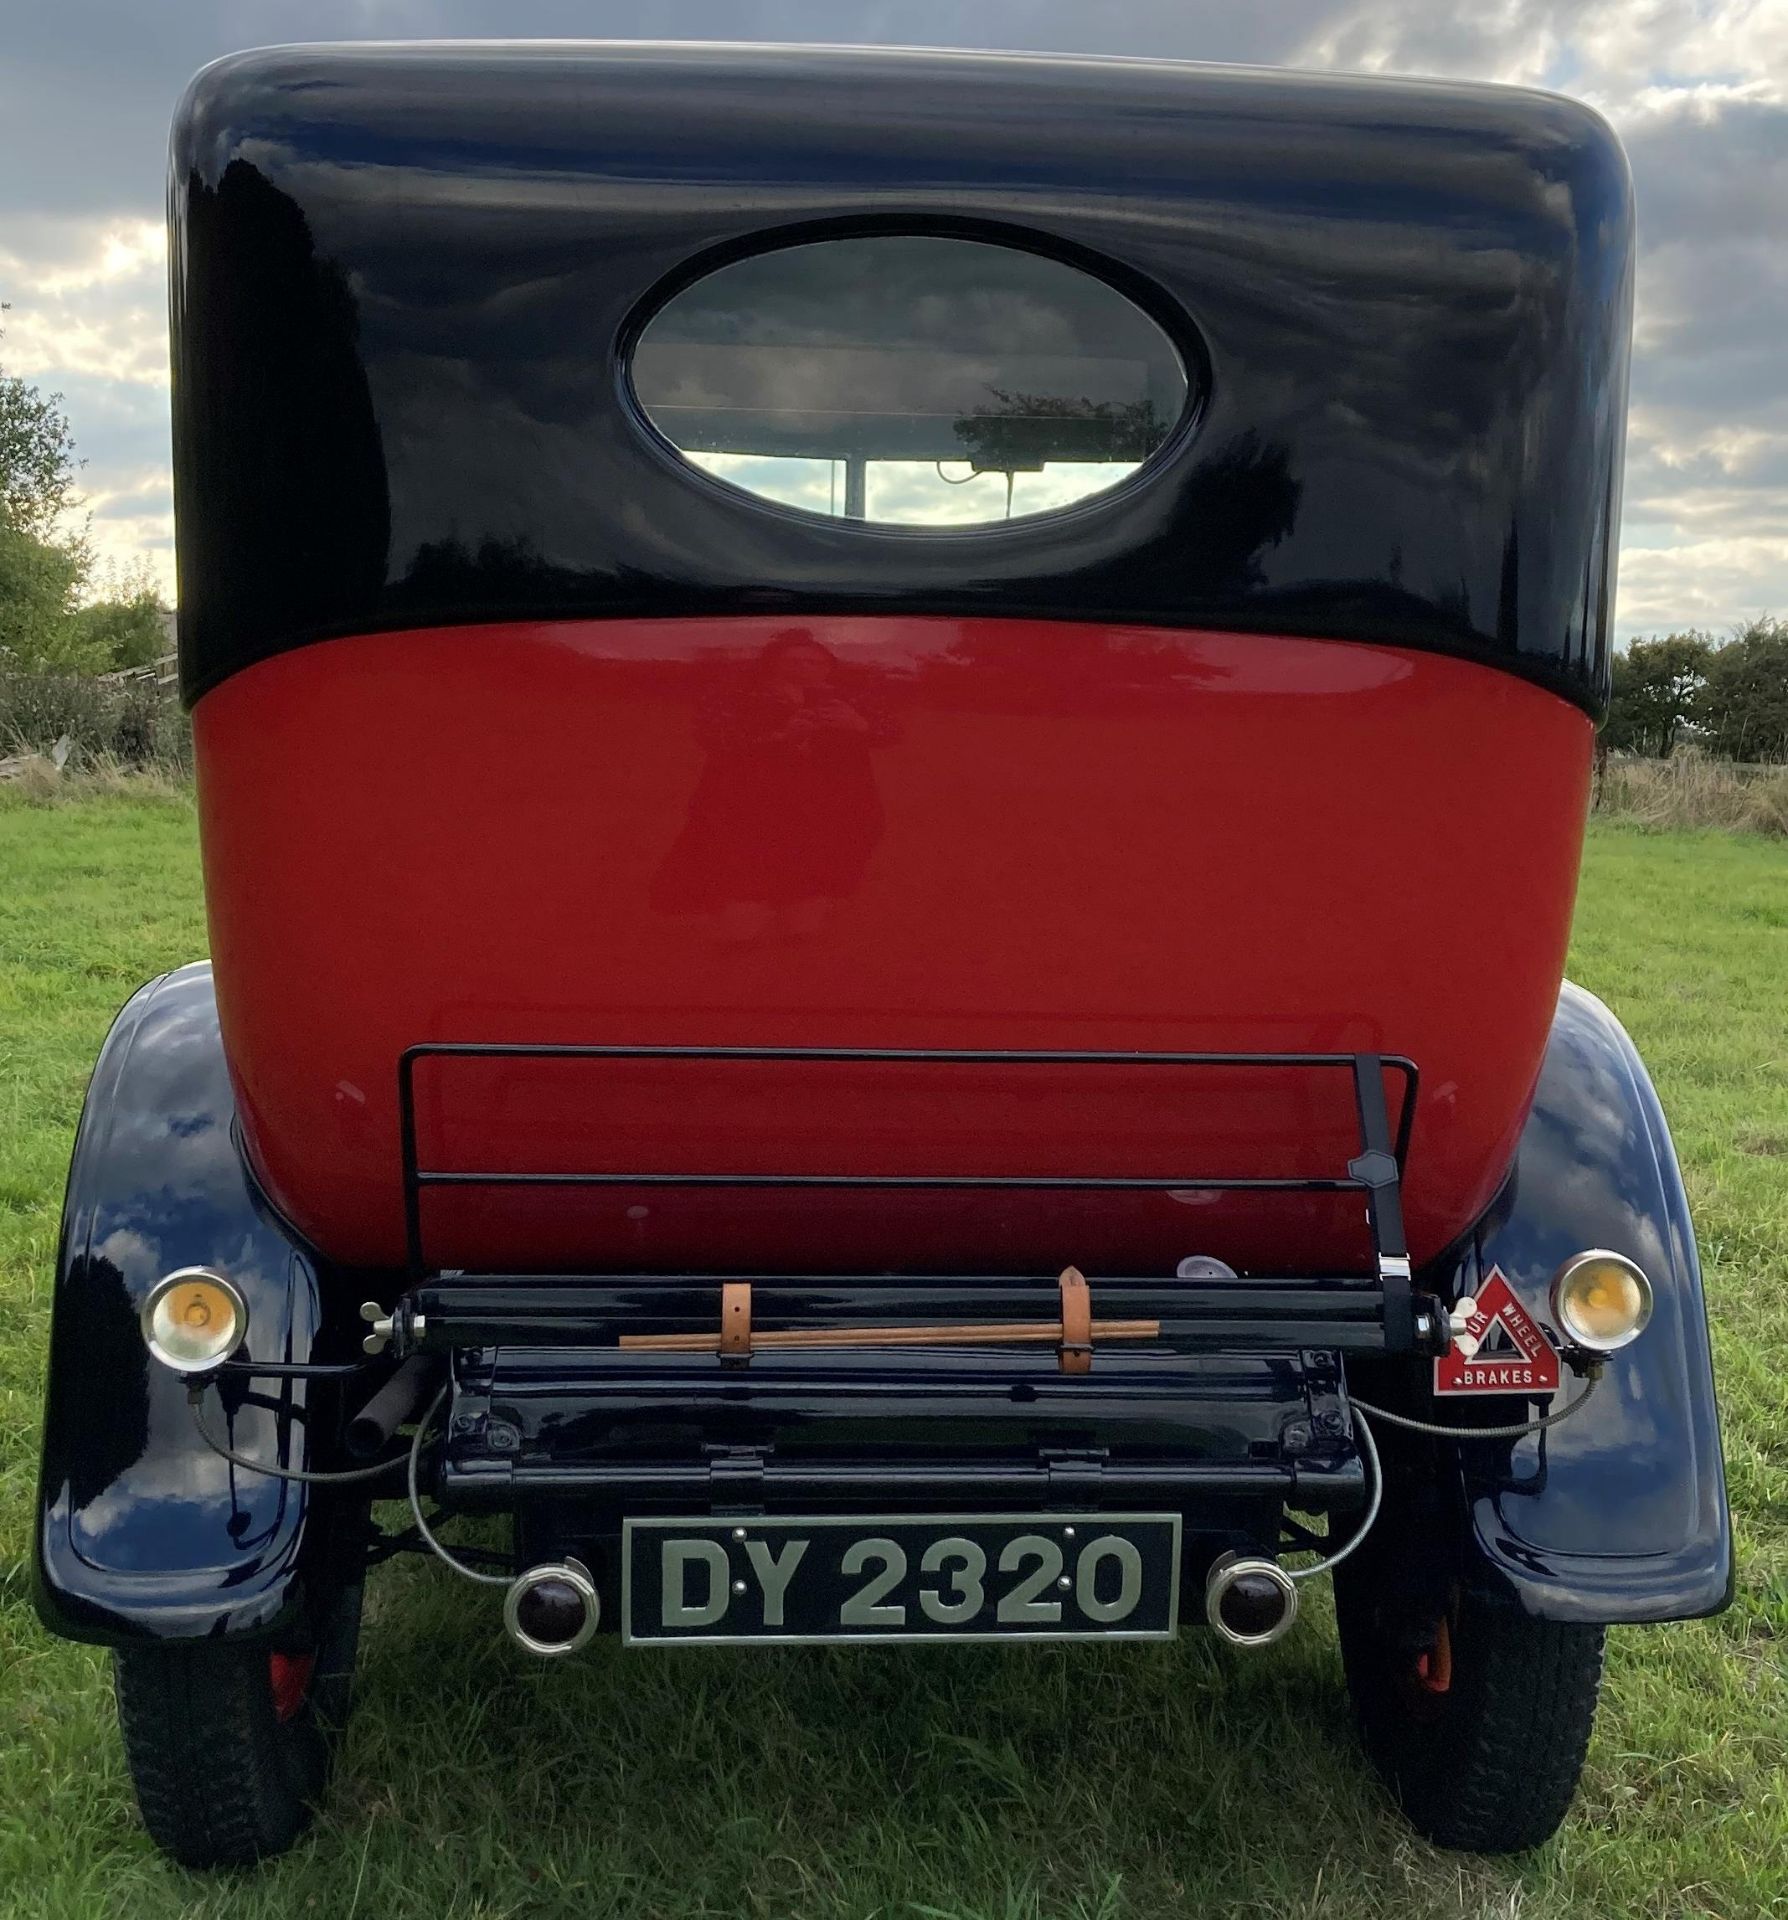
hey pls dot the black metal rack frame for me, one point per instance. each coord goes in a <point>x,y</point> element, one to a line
<point>560,1306</point>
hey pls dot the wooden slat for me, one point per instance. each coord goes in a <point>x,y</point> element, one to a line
<point>995,1334</point>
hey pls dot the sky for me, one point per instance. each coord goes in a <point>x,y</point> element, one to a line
<point>1698,90</point>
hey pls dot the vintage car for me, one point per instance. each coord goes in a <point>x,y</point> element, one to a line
<point>892,752</point>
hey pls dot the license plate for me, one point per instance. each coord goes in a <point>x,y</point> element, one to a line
<point>951,1577</point>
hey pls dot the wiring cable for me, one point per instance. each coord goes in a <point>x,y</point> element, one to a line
<point>1512,1432</point>
<point>422,1526</point>
<point>1369,1449</point>
<point>412,1455</point>
<point>195,1395</point>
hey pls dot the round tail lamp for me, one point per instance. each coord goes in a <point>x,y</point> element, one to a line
<point>194,1319</point>
<point>1601,1300</point>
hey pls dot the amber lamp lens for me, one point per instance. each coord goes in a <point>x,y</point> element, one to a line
<point>1601,1301</point>
<point>194,1320</point>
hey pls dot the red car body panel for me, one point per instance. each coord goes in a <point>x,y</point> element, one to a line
<point>878,832</point>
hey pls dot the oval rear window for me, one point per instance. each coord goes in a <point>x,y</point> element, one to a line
<point>909,380</point>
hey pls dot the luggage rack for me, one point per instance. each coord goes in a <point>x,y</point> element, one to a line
<point>1377,1312</point>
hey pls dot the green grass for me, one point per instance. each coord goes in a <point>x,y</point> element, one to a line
<point>1112,1782</point>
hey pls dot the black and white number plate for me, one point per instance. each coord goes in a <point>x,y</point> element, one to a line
<point>1104,1576</point>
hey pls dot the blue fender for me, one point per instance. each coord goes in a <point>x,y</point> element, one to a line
<point>143,1531</point>
<point>1618,1514</point>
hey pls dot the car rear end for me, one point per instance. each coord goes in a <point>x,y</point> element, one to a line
<point>715,959</point>
<point>892,751</point>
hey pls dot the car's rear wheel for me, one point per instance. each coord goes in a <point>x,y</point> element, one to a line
<point>1477,1716</point>
<point>230,1746</point>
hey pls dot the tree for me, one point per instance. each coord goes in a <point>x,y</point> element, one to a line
<point>125,624</point>
<point>38,583</point>
<point>1743,706</point>
<point>37,463</point>
<point>1657,683</point>
<point>1023,431</point>
<point>40,575</point>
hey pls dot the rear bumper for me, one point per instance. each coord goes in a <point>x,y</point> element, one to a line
<point>577,1445</point>
<point>1209,1436</point>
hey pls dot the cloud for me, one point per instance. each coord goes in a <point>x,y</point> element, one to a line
<point>1706,514</point>
<point>89,320</point>
<point>1697,88</point>
<point>1713,583</point>
<point>1623,56</point>
<point>123,542</point>
<point>88,296</point>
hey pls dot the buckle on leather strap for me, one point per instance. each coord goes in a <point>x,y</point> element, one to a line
<point>1076,1348</point>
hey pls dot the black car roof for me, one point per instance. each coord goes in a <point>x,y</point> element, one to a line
<point>405,279</point>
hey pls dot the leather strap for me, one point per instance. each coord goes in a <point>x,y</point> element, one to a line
<point>735,1320</point>
<point>1076,1349</point>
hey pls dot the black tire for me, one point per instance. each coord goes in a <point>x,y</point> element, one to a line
<point>1477,1717</point>
<point>230,1746</point>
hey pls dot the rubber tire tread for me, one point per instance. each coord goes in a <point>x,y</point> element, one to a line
<point>1492,1766</point>
<point>219,1779</point>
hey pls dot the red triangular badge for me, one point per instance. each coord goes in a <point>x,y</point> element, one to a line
<point>1513,1355</point>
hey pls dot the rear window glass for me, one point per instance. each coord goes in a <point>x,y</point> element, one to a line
<point>909,380</point>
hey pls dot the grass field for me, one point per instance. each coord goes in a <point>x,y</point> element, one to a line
<point>1139,1782</point>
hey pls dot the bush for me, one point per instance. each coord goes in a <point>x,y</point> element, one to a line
<point>123,632</point>
<point>131,721</point>
<point>1689,790</point>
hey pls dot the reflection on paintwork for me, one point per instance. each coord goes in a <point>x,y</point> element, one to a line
<point>852,831</point>
<point>1621,1509</point>
<point>786,814</point>
<point>127,1487</point>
